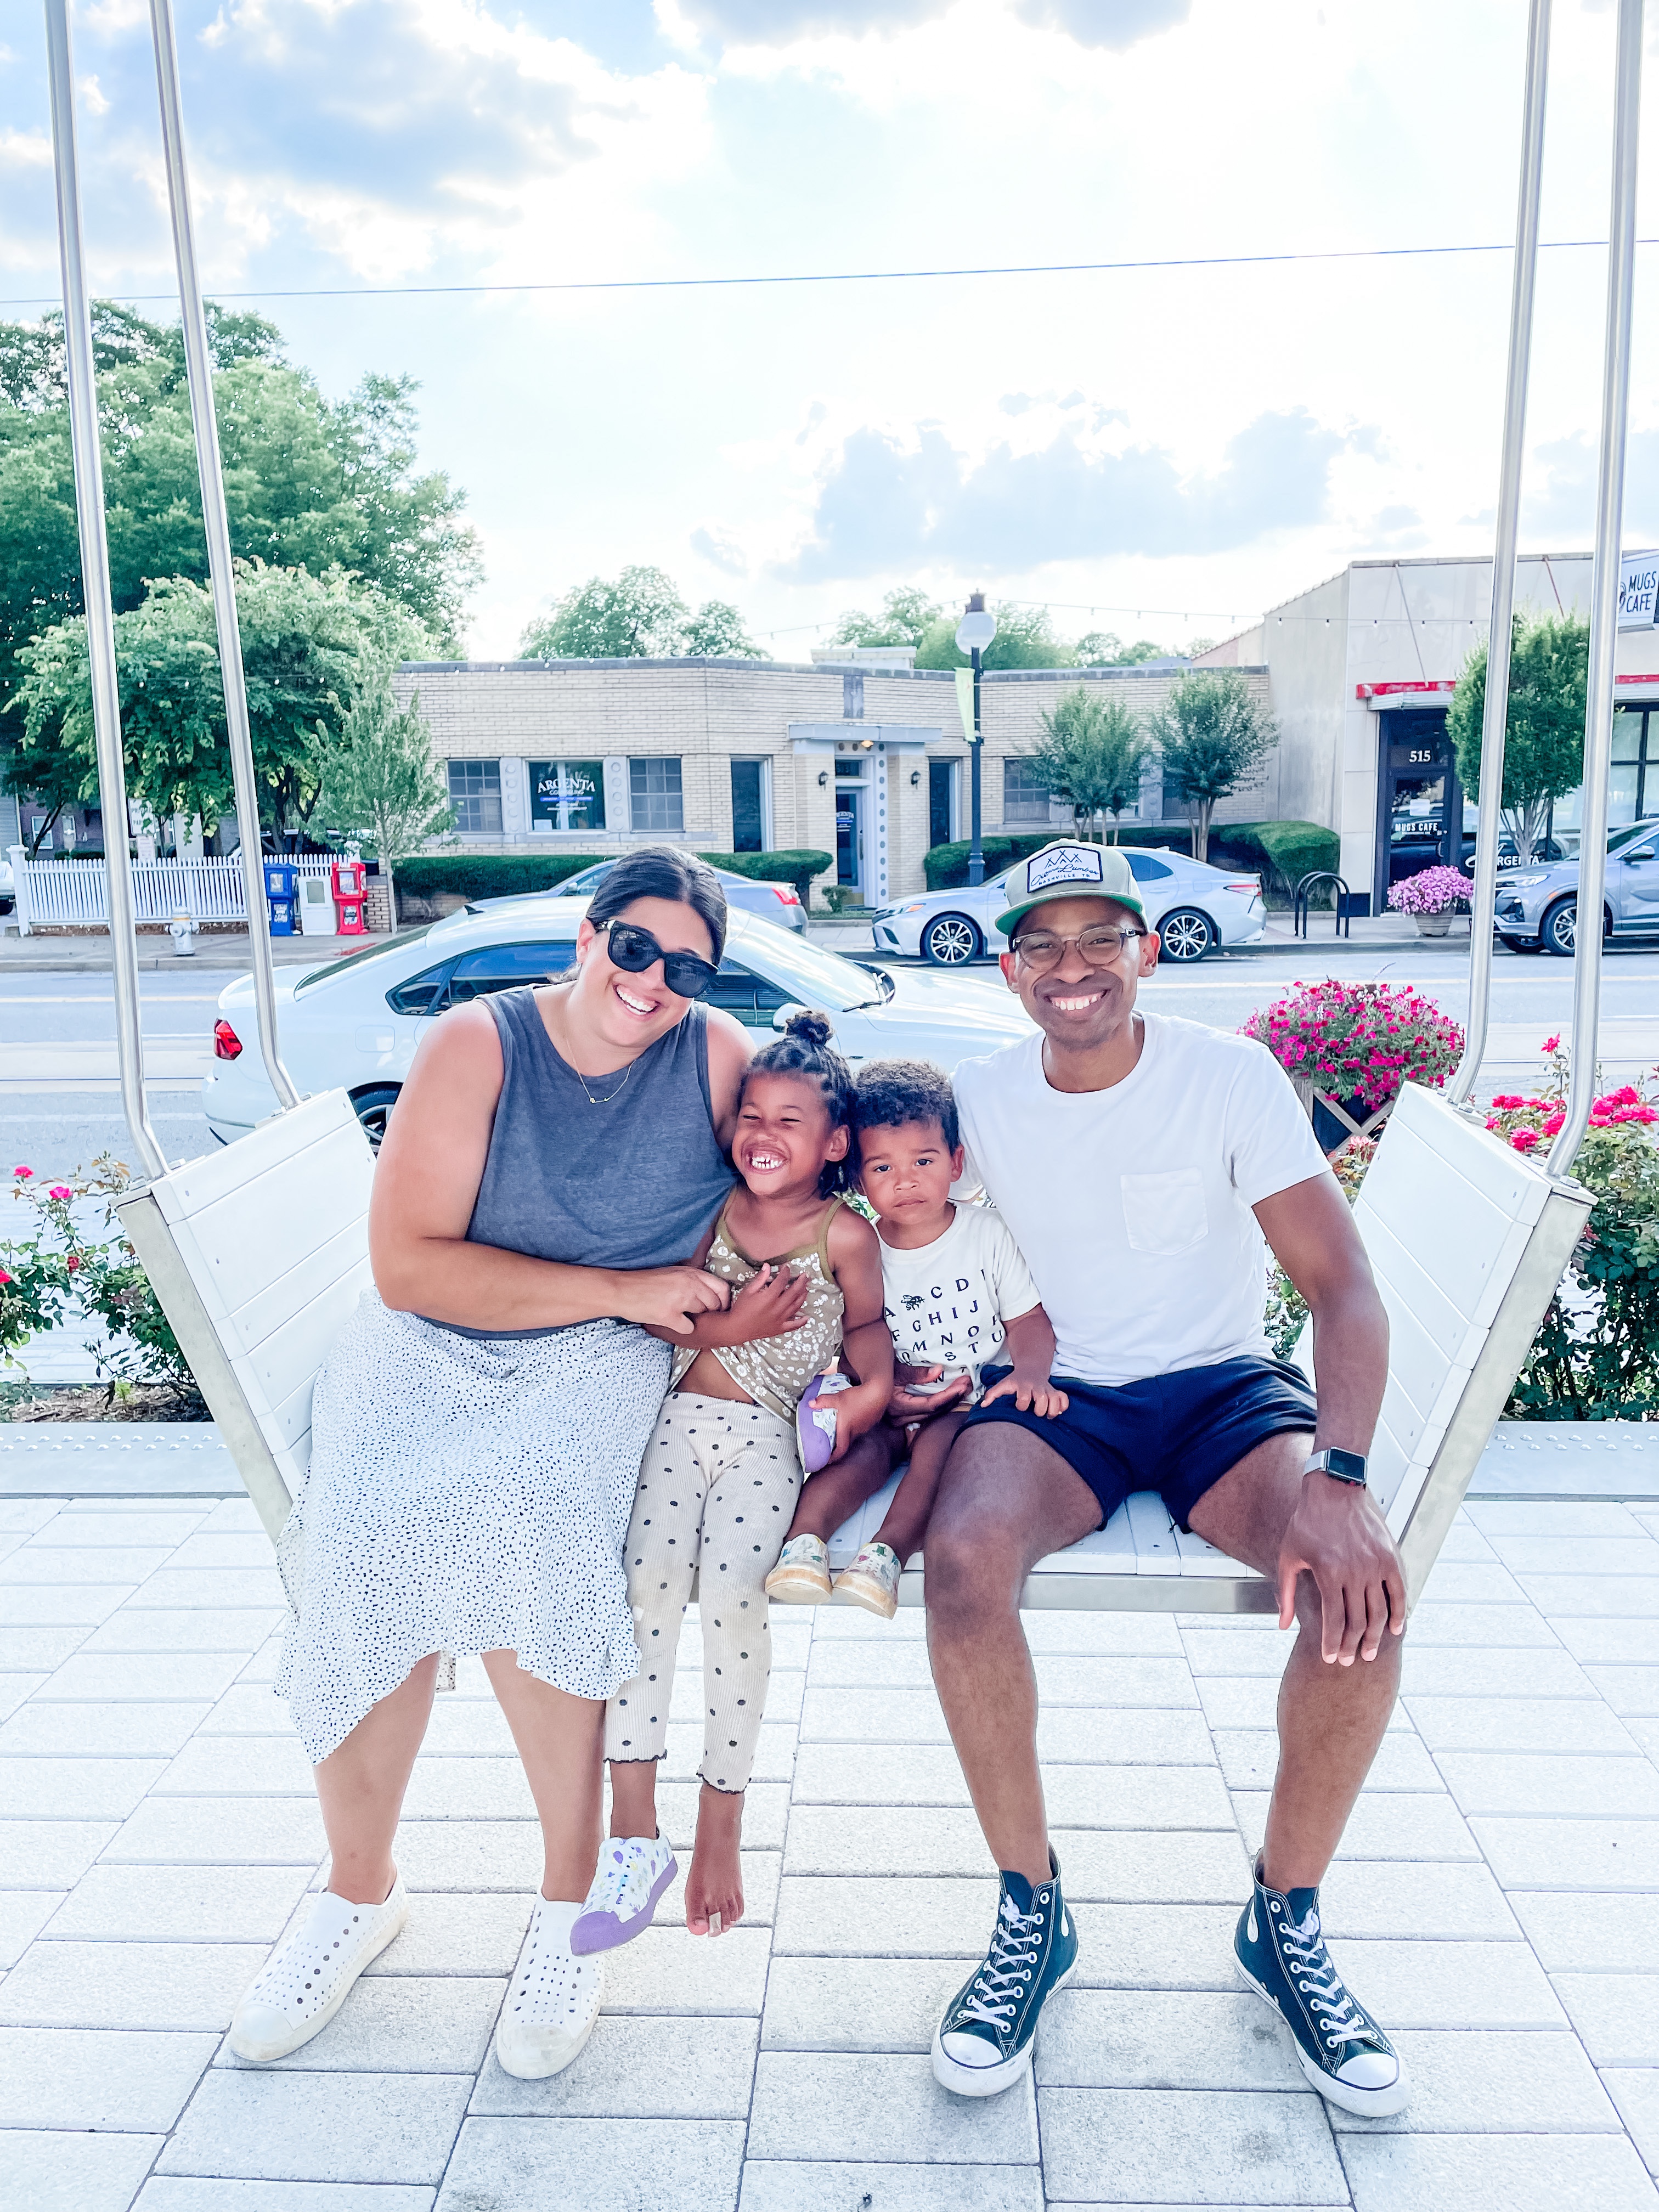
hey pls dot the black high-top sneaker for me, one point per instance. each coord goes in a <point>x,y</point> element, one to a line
<point>983,2044</point>
<point>1345,2054</point>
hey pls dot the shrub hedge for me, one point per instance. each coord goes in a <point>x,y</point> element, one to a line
<point>1284,852</point>
<point>488,875</point>
<point>796,866</point>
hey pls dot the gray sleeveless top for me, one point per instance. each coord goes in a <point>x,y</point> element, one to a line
<point>630,1181</point>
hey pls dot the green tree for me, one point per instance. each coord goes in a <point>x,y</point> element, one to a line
<point>717,632</point>
<point>1544,738</point>
<point>310,645</point>
<point>640,615</point>
<point>380,787</point>
<point>1104,648</point>
<point>906,617</point>
<point>1092,753</point>
<point>308,483</point>
<point>1214,736</point>
<point>1025,638</point>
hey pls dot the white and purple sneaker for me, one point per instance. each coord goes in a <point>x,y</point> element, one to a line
<point>632,1875</point>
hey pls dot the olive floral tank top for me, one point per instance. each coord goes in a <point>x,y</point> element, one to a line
<point>776,1370</point>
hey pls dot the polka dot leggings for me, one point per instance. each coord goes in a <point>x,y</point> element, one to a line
<point>717,1493</point>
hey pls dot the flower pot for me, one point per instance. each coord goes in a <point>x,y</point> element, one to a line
<point>1433,924</point>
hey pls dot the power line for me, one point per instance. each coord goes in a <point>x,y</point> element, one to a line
<point>854,276</point>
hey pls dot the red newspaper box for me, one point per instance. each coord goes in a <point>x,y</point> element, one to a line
<point>348,877</point>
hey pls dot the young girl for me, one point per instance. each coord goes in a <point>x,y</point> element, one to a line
<point>718,1482</point>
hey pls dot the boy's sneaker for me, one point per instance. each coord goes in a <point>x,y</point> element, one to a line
<point>632,1875</point>
<point>1345,2054</point>
<point>802,1574</point>
<point>552,2001</point>
<point>871,1580</point>
<point>308,1977</point>
<point>983,2044</point>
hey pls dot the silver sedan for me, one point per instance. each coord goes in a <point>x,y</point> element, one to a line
<point>1192,906</point>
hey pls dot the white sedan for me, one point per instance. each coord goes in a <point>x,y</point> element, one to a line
<point>1192,906</point>
<point>355,1023</point>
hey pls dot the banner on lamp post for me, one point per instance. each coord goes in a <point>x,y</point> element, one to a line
<point>965,702</point>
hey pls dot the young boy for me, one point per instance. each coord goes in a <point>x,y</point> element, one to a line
<point>958,1300</point>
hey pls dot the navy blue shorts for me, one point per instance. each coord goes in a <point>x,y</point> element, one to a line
<point>1177,1434</point>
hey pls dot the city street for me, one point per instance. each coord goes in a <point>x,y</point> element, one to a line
<point>60,1104</point>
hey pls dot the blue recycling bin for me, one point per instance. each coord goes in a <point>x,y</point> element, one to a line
<point>282,890</point>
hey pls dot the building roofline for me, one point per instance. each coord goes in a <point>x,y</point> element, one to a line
<point>1167,667</point>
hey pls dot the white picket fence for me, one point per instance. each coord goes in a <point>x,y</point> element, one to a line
<point>75,894</point>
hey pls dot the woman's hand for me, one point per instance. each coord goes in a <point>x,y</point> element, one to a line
<point>670,1298</point>
<point>772,1303</point>
<point>1032,1394</point>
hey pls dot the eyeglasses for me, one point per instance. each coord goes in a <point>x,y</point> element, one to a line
<point>1041,949</point>
<point>633,950</point>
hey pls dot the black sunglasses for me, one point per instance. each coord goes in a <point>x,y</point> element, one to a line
<point>633,950</point>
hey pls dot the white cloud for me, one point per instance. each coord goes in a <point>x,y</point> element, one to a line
<point>721,551</point>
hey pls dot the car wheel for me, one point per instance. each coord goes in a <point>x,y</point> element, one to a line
<point>1559,930</point>
<point>374,1108</point>
<point>1521,944</point>
<point>1187,934</point>
<point>950,939</point>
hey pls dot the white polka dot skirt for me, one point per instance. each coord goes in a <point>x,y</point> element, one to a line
<point>717,1492</point>
<point>465,1494</point>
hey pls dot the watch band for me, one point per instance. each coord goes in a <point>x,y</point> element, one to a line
<point>1342,1466</point>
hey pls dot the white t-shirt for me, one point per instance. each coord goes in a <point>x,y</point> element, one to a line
<point>1132,1205</point>
<point>945,1302</point>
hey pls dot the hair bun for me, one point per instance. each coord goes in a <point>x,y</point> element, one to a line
<point>810,1027</point>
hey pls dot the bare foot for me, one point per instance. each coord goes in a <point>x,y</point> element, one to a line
<point>714,1888</point>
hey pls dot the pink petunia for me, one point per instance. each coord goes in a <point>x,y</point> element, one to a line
<point>5,1278</point>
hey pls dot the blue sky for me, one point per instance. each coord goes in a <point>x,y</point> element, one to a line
<point>1151,451</point>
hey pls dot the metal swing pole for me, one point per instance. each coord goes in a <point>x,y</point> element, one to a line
<point>95,588</point>
<point>216,523</point>
<point>1500,628</point>
<point>1604,596</point>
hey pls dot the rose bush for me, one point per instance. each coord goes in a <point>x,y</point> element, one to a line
<point>1360,1041</point>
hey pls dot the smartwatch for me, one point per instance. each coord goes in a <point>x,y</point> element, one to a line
<point>1342,1466</point>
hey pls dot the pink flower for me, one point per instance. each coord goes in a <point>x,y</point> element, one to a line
<point>1550,1044</point>
<point>1525,1140</point>
<point>5,1278</point>
<point>73,1262</point>
<point>60,1191</point>
<point>22,1174</point>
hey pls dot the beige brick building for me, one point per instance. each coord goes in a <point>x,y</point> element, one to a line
<point>858,755</point>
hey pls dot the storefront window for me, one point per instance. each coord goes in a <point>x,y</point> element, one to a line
<point>567,794</point>
<point>475,792</point>
<point>654,799</point>
<point>1633,793</point>
<point>1025,793</point>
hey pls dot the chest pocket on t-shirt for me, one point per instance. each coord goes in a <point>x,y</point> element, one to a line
<point>1165,1213</point>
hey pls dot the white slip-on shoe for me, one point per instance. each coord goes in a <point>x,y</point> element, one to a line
<point>552,2001</point>
<point>308,1975</point>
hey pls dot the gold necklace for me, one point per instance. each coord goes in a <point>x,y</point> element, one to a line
<point>616,1093</point>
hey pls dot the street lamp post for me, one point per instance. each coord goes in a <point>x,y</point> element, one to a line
<point>974,633</point>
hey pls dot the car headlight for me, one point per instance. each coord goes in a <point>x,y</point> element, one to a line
<point>1524,882</point>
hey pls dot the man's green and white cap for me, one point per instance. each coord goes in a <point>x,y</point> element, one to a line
<point>1062,870</point>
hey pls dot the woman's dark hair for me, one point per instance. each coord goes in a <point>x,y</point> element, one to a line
<point>890,1092</point>
<point>804,1049</point>
<point>663,871</point>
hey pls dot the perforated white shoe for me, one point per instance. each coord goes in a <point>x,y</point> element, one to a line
<point>552,2001</point>
<point>309,1975</point>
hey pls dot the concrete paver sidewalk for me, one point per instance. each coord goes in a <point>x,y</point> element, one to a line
<point>1497,1902</point>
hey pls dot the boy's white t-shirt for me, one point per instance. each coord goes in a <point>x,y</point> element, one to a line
<point>1132,1205</point>
<point>947,1302</point>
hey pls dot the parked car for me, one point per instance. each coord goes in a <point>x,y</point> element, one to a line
<point>354,1024</point>
<point>7,888</point>
<point>1192,906</point>
<point>778,903</point>
<point>1538,906</point>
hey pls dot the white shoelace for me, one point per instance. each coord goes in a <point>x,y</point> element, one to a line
<point>1305,1953</point>
<point>1013,1955</point>
<point>622,1885</point>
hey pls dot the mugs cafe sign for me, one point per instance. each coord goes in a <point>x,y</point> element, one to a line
<point>1638,591</point>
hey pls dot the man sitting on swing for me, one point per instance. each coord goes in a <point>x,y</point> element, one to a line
<point>1139,1160</point>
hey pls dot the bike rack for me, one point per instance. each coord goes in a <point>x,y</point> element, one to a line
<point>1304,892</point>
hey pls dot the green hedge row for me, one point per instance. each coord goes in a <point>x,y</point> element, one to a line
<point>488,875</point>
<point>795,865</point>
<point>1284,852</point>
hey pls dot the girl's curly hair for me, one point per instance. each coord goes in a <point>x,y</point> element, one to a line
<point>804,1048</point>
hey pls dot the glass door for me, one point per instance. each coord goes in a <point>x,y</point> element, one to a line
<point>849,836</point>
<point>1420,800</point>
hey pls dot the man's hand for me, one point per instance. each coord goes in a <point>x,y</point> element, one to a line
<point>772,1303</point>
<point>670,1298</point>
<point>1337,1534</point>
<point>907,1407</point>
<point>1032,1394</point>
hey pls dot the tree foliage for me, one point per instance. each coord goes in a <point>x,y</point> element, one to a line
<point>1092,753</point>
<point>1025,638</point>
<point>1214,736</point>
<point>310,647</point>
<point>308,483</point>
<point>1104,648</point>
<point>1544,737</point>
<point>638,616</point>
<point>906,617</point>
<point>380,787</point>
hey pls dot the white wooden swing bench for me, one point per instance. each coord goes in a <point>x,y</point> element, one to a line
<point>258,1255</point>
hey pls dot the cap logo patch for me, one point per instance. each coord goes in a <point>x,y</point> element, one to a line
<point>1073,865</point>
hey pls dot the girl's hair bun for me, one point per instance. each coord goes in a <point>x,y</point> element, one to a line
<point>810,1027</point>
